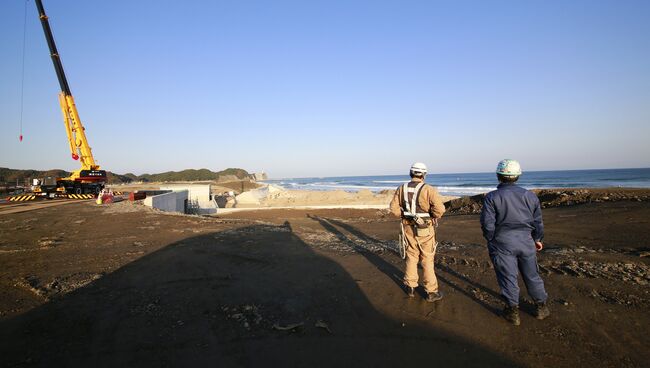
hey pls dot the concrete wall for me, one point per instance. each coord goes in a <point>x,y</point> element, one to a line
<point>168,202</point>
<point>198,194</point>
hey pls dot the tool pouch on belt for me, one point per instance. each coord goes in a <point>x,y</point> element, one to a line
<point>422,227</point>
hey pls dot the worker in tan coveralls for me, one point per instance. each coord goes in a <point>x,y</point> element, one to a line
<point>419,206</point>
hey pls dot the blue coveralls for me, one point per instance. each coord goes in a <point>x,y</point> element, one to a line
<point>511,221</point>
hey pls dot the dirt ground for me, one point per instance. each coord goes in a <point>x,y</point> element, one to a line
<point>122,285</point>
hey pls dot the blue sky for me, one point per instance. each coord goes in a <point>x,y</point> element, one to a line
<point>325,88</point>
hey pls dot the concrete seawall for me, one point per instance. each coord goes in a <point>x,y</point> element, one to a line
<point>169,202</point>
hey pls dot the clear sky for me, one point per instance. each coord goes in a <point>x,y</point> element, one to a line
<point>326,88</point>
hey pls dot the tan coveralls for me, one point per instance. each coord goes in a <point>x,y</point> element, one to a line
<point>419,248</point>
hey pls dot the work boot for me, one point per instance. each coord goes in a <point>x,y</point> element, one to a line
<point>511,314</point>
<point>541,311</point>
<point>410,291</point>
<point>433,297</point>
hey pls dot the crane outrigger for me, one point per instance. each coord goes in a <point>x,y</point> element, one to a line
<point>89,178</point>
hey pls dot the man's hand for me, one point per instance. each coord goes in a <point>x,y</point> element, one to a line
<point>539,246</point>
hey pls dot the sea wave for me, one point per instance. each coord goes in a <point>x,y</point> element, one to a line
<point>472,184</point>
<point>321,186</point>
<point>355,187</point>
<point>461,190</point>
<point>389,181</point>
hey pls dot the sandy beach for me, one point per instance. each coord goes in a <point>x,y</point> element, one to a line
<point>272,196</point>
<point>314,287</point>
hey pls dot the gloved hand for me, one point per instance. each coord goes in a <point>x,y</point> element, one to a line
<point>539,246</point>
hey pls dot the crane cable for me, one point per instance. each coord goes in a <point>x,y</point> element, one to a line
<point>22,80</point>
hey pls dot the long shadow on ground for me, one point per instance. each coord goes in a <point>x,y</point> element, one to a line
<point>394,273</point>
<point>255,296</point>
<point>381,264</point>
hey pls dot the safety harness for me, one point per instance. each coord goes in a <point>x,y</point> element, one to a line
<point>410,209</point>
<point>419,219</point>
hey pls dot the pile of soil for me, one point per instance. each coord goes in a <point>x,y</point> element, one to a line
<point>465,205</point>
<point>567,197</point>
<point>239,186</point>
<point>555,198</point>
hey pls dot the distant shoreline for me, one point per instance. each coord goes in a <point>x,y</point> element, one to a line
<point>477,183</point>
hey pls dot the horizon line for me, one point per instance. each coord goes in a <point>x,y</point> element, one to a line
<point>456,173</point>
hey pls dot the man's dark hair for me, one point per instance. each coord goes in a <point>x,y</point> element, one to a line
<point>416,175</point>
<point>507,178</point>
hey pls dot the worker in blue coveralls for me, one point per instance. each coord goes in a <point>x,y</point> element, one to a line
<point>511,221</point>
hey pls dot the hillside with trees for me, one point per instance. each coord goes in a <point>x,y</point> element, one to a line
<point>14,175</point>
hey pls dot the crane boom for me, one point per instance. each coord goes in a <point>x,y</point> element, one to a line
<point>89,178</point>
<point>54,53</point>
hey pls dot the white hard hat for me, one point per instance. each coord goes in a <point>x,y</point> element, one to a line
<point>419,167</point>
<point>509,167</point>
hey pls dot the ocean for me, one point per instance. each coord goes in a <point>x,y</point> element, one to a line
<point>475,183</point>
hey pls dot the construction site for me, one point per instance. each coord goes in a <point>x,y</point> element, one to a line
<point>229,270</point>
<point>123,284</point>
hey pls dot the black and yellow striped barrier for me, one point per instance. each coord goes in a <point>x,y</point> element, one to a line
<point>81,196</point>
<point>22,198</point>
<point>118,193</point>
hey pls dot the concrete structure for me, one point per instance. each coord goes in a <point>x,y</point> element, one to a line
<point>253,198</point>
<point>199,199</point>
<point>259,176</point>
<point>176,201</point>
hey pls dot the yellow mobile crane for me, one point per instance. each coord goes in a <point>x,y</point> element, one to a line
<point>89,178</point>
